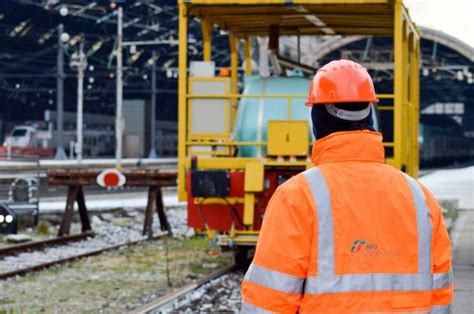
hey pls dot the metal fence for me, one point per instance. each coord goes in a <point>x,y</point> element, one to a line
<point>20,181</point>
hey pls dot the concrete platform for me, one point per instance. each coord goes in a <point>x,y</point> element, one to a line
<point>463,263</point>
<point>452,184</point>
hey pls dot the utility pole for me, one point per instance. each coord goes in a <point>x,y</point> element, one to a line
<point>60,154</point>
<point>263,57</point>
<point>298,47</point>
<point>153,154</point>
<point>119,96</point>
<point>119,121</point>
<point>79,63</point>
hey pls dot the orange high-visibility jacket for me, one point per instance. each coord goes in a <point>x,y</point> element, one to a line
<point>351,235</point>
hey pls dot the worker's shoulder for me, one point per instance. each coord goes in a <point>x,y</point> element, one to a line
<point>391,170</point>
<point>399,176</point>
<point>295,184</point>
<point>294,192</point>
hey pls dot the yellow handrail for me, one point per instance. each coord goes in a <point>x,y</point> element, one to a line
<point>211,143</point>
<point>220,96</point>
<point>385,96</point>
<point>381,108</point>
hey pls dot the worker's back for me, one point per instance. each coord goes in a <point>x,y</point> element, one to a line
<point>351,235</point>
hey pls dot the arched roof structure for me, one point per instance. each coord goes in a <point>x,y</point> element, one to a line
<point>449,41</point>
<point>446,73</point>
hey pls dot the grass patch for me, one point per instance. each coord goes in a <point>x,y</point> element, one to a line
<point>114,282</point>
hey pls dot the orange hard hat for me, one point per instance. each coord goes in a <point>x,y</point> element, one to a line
<point>341,81</point>
<point>224,72</point>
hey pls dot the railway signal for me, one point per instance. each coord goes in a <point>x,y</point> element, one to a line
<point>111,178</point>
<point>8,220</point>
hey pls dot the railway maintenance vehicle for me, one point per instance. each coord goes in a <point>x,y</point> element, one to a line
<point>237,145</point>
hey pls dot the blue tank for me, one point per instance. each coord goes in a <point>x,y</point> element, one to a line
<point>253,114</point>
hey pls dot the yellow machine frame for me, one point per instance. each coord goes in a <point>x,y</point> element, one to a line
<point>242,19</point>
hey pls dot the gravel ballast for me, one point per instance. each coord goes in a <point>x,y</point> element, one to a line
<point>219,295</point>
<point>115,231</point>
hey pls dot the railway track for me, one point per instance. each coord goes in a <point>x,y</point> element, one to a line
<point>173,300</point>
<point>41,266</point>
<point>37,245</point>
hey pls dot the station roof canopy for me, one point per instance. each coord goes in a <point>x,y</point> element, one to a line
<point>305,17</point>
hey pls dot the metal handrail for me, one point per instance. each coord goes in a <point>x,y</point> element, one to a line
<point>236,96</point>
<point>221,96</point>
<point>289,97</point>
<point>230,143</point>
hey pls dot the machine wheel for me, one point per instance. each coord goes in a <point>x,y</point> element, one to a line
<point>243,256</point>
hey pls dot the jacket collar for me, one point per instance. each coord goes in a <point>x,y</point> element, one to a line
<point>349,146</point>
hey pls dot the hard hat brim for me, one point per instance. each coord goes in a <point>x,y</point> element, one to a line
<point>311,103</point>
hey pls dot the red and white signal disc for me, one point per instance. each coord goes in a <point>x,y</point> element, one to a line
<point>111,178</point>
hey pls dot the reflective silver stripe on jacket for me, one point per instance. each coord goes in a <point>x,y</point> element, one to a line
<point>322,201</point>
<point>441,309</point>
<point>274,279</point>
<point>424,227</point>
<point>250,308</point>
<point>345,283</point>
<point>367,282</point>
<point>442,280</point>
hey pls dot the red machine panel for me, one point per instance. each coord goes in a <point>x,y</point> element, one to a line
<point>220,217</point>
<point>273,178</point>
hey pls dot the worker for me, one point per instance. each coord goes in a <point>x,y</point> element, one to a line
<point>352,234</point>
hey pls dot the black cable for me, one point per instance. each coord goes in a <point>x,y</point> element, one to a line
<point>234,212</point>
<point>201,214</point>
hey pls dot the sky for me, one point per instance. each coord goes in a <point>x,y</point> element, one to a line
<point>454,17</point>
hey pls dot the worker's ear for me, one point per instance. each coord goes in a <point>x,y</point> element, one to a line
<point>313,122</point>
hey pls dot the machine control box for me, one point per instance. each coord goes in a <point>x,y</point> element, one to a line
<point>288,138</point>
<point>210,183</point>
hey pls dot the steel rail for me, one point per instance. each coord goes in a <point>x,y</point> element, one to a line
<point>30,269</point>
<point>169,301</point>
<point>36,245</point>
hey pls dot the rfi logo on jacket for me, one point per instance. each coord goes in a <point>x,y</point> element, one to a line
<point>358,246</point>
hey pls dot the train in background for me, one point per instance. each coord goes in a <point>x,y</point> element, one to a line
<point>32,140</point>
<point>438,145</point>
<point>27,140</point>
<point>39,138</point>
<point>441,146</point>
